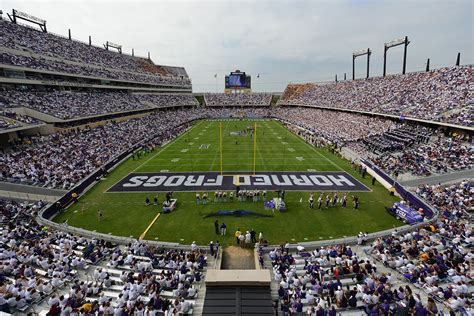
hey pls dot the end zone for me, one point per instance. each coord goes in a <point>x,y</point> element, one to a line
<point>211,181</point>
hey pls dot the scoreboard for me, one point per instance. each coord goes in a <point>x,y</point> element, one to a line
<point>238,82</point>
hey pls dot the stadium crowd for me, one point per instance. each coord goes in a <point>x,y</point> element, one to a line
<point>334,127</point>
<point>149,279</point>
<point>463,117</point>
<point>400,138</point>
<point>61,54</point>
<point>445,153</point>
<point>396,147</point>
<point>437,258</point>
<point>244,99</point>
<point>162,100</point>
<point>429,95</point>
<point>60,65</point>
<point>333,279</point>
<point>44,267</point>
<point>18,117</point>
<point>9,120</point>
<point>34,260</point>
<point>454,200</point>
<point>69,105</point>
<point>7,124</point>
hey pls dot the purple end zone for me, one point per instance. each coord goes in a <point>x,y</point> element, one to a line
<point>211,181</point>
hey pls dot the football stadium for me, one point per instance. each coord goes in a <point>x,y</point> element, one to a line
<point>130,187</point>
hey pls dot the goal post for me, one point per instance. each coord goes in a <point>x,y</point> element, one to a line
<point>220,147</point>
<point>255,148</point>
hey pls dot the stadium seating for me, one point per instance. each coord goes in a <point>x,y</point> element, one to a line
<point>335,280</point>
<point>62,66</point>
<point>402,137</point>
<point>106,103</point>
<point>36,261</point>
<point>71,105</point>
<point>61,160</point>
<point>437,95</point>
<point>67,105</point>
<point>43,267</point>
<point>441,155</point>
<point>335,127</point>
<point>140,275</point>
<point>451,199</point>
<point>242,99</point>
<point>398,148</point>
<point>25,119</point>
<point>7,124</point>
<point>10,120</point>
<point>437,258</point>
<point>164,100</point>
<point>55,53</point>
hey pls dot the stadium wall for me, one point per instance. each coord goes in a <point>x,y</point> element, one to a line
<point>377,177</point>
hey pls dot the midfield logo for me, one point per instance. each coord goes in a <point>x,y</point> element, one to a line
<point>210,181</point>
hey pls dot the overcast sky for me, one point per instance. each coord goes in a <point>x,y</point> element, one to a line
<point>284,41</point>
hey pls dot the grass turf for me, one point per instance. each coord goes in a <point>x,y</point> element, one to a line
<point>125,214</point>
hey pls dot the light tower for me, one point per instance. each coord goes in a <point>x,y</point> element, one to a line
<point>401,41</point>
<point>358,53</point>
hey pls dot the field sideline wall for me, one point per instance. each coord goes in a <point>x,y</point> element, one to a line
<point>377,177</point>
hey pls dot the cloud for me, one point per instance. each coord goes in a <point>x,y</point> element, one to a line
<point>282,40</point>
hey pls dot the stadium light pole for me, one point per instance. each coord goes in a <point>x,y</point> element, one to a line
<point>353,67</point>
<point>29,18</point>
<point>401,41</point>
<point>428,65</point>
<point>458,59</point>
<point>358,53</point>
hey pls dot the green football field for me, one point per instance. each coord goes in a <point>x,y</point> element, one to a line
<point>277,149</point>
